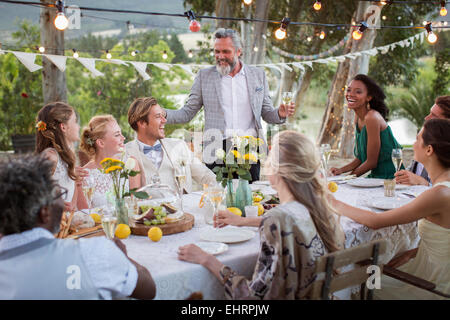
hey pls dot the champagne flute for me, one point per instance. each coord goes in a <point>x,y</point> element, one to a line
<point>180,179</point>
<point>325,153</point>
<point>216,196</point>
<point>397,158</point>
<point>286,97</point>
<point>88,187</point>
<point>109,223</point>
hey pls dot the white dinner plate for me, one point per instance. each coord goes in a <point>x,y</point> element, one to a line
<point>341,177</point>
<point>388,203</point>
<point>227,234</point>
<point>261,182</point>
<point>402,186</point>
<point>366,183</point>
<point>213,248</point>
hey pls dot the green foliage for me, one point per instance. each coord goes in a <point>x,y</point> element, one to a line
<point>20,89</point>
<point>442,64</point>
<point>414,102</point>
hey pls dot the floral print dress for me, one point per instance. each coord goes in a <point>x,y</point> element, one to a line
<point>285,268</point>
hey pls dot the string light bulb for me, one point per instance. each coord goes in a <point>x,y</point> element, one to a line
<point>108,54</point>
<point>194,25</point>
<point>247,2</point>
<point>75,53</point>
<point>134,53</point>
<point>41,49</point>
<point>443,11</point>
<point>61,22</point>
<point>190,54</point>
<point>357,34</point>
<point>386,2</point>
<point>280,33</point>
<point>322,35</point>
<point>256,49</point>
<point>431,37</point>
<point>317,5</point>
<point>164,55</point>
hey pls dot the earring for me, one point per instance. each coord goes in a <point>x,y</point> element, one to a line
<point>368,106</point>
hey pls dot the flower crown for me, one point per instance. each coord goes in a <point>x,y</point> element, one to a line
<point>41,126</point>
<point>90,142</point>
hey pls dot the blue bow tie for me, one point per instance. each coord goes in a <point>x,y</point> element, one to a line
<point>147,149</point>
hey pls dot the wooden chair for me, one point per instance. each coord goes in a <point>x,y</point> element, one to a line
<point>330,280</point>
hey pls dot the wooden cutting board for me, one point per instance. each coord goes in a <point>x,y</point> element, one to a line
<point>186,223</point>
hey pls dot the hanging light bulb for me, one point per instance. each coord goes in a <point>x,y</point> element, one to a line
<point>190,54</point>
<point>211,52</point>
<point>309,39</point>
<point>75,53</point>
<point>280,33</point>
<point>386,2</point>
<point>41,49</point>
<point>61,22</point>
<point>247,2</point>
<point>322,35</point>
<point>431,37</point>
<point>194,25</point>
<point>108,54</point>
<point>256,49</point>
<point>357,34</point>
<point>317,5</point>
<point>134,53</point>
<point>443,11</point>
<point>164,56</point>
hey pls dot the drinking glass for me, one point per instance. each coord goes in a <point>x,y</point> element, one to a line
<point>216,196</point>
<point>180,180</point>
<point>397,158</point>
<point>286,97</point>
<point>88,187</point>
<point>325,153</point>
<point>389,188</point>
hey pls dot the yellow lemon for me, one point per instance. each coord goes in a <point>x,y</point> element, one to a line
<point>260,208</point>
<point>155,234</point>
<point>257,198</point>
<point>235,210</point>
<point>122,231</point>
<point>96,217</point>
<point>332,186</point>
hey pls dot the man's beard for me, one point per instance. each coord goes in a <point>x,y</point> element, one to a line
<point>226,69</point>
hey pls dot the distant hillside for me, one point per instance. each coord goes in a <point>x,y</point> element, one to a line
<point>10,13</point>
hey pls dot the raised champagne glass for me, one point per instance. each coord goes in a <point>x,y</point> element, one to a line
<point>325,153</point>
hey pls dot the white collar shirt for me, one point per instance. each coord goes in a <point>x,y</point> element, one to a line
<point>239,118</point>
<point>155,156</point>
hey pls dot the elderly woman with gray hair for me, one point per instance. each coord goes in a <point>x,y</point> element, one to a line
<point>293,235</point>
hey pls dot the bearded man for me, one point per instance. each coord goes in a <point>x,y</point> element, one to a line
<point>234,95</point>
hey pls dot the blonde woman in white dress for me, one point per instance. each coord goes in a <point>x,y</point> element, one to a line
<point>57,132</point>
<point>431,261</point>
<point>101,138</point>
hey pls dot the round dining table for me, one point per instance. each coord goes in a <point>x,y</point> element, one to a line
<point>176,279</point>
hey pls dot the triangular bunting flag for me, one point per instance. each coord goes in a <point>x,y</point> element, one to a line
<point>186,68</point>
<point>308,63</point>
<point>340,58</point>
<point>287,67</point>
<point>141,69</point>
<point>298,65</point>
<point>58,61</point>
<point>115,61</point>
<point>273,67</point>
<point>89,64</point>
<point>162,66</point>
<point>28,60</point>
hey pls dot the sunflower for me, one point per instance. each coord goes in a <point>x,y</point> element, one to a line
<point>113,168</point>
<point>41,126</point>
<point>236,154</point>
<point>251,157</point>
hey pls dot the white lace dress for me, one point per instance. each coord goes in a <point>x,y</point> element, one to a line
<point>103,191</point>
<point>61,175</point>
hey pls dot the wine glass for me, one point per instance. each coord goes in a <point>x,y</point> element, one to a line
<point>88,187</point>
<point>286,96</point>
<point>397,158</point>
<point>216,196</point>
<point>180,179</point>
<point>109,223</point>
<point>325,153</point>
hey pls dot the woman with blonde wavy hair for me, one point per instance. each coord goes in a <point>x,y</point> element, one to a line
<point>101,138</point>
<point>293,235</point>
<point>57,132</point>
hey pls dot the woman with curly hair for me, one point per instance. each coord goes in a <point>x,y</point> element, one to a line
<point>57,132</point>
<point>374,140</point>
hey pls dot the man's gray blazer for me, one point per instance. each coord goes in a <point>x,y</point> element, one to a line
<point>206,92</point>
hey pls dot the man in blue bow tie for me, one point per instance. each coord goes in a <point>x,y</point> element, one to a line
<point>234,95</point>
<point>159,156</point>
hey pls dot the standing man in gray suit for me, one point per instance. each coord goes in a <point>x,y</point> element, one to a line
<point>234,95</point>
<point>416,174</point>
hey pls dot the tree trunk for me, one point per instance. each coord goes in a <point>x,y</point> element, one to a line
<point>223,9</point>
<point>302,87</point>
<point>52,39</point>
<point>338,125</point>
<point>259,31</point>
<point>246,36</point>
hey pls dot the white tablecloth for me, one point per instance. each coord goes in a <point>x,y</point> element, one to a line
<point>177,279</point>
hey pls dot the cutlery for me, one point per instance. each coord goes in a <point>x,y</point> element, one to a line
<point>409,195</point>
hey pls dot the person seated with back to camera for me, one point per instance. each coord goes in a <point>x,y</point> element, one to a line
<point>293,235</point>
<point>36,265</point>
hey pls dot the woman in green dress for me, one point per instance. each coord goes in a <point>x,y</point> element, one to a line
<point>374,140</point>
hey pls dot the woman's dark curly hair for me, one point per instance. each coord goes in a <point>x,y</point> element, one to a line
<point>26,185</point>
<point>374,90</point>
